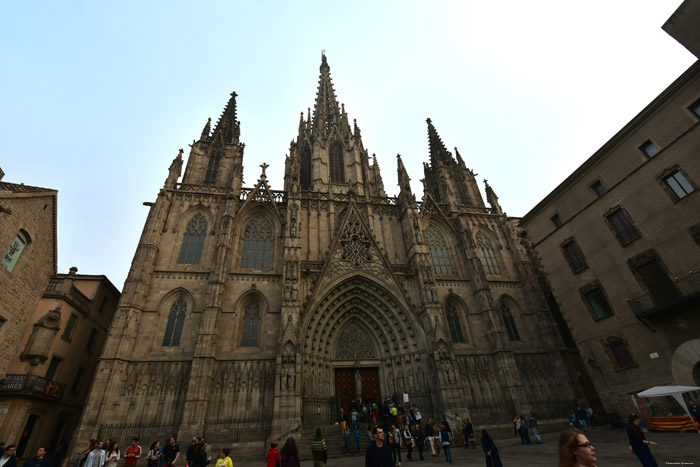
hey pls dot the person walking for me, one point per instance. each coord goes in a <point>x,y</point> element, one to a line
<point>408,441</point>
<point>469,434</point>
<point>446,440</point>
<point>523,431</point>
<point>133,453</point>
<point>290,453</point>
<point>419,437</point>
<point>171,453</point>
<point>319,450</point>
<point>490,450</point>
<point>639,442</point>
<point>356,436</point>
<point>112,457</point>
<point>378,453</point>
<point>532,423</point>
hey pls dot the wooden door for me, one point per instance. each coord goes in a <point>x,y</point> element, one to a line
<point>345,387</point>
<point>370,384</point>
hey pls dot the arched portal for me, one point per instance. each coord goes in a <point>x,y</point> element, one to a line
<point>362,339</point>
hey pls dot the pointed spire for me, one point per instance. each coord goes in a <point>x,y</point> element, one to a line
<point>228,126</point>
<point>438,152</point>
<point>206,130</point>
<point>326,110</point>
<point>492,198</point>
<point>174,171</point>
<point>301,122</point>
<point>356,130</point>
<point>404,180</point>
<point>460,161</point>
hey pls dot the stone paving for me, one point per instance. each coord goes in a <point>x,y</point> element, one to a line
<point>610,445</point>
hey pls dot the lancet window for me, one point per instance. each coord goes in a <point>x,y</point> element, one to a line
<point>337,167</point>
<point>488,256</point>
<point>257,244</point>
<point>306,168</point>
<point>213,167</point>
<point>439,251</point>
<point>193,242</point>
<point>509,321</point>
<point>453,322</point>
<point>251,322</point>
<point>176,321</point>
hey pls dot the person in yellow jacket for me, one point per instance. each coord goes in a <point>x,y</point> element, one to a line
<point>224,459</point>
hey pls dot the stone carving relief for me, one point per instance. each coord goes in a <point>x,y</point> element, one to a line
<point>354,243</point>
<point>354,344</point>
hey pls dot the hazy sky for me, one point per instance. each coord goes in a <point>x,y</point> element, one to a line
<point>96,98</point>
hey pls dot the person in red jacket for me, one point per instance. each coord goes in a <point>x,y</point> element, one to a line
<point>133,453</point>
<point>273,455</point>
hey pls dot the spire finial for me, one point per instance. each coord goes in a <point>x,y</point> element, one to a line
<point>438,152</point>
<point>264,166</point>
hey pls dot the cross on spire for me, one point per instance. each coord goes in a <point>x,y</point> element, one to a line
<point>264,166</point>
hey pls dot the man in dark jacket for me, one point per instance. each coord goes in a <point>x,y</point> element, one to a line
<point>378,454</point>
<point>39,460</point>
<point>8,456</point>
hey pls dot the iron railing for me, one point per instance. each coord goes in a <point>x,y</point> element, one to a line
<point>237,431</point>
<point>145,432</point>
<point>320,410</point>
<point>684,289</point>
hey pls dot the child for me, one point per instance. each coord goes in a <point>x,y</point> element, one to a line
<point>346,441</point>
<point>224,459</point>
<point>274,459</point>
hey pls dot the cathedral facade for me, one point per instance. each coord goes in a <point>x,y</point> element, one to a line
<point>249,313</point>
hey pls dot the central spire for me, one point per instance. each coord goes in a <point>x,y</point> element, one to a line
<point>326,111</point>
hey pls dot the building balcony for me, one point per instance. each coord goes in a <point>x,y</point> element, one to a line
<point>683,290</point>
<point>31,385</point>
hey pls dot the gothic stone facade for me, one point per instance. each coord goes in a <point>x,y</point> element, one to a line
<point>245,305</point>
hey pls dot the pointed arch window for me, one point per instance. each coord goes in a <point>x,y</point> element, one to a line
<point>213,167</point>
<point>257,244</point>
<point>439,251</point>
<point>453,322</point>
<point>509,321</point>
<point>251,321</point>
<point>176,321</point>
<point>193,242</point>
<point>488,256</point>
<point>337,167</point>
<point>306,168</point>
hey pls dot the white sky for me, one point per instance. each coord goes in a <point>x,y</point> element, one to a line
<point>97,97</point>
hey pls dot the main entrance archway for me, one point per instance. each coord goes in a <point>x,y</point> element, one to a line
<point>362,340</point>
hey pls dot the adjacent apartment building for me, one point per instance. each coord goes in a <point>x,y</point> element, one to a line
<point>27,257</point>
<point>619,240</point>
<point>43,392</point>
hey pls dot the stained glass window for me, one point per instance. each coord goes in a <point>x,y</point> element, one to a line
<point>453,323</point>
<point>251,320</point>
<point>306,168</point>
<point>213,167</point>
<point>488,256</point>
<point>439,251</point>
<point>176,320</point>
<point>337,167</point>
<point>257,244</point>
<point>509,321</point>
<point>193,241</point>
